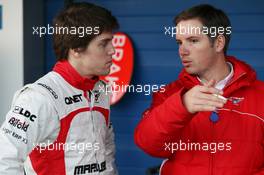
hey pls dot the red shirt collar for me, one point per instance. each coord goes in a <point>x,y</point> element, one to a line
<point>244,75</point>
<point>65,69</point>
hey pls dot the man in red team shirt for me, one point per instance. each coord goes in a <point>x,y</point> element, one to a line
<point>210,120</point>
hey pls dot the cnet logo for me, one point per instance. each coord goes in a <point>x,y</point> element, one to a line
<point>122,67</point>
<point>73,99</point>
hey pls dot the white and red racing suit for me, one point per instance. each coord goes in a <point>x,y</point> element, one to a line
<point>59,125</point>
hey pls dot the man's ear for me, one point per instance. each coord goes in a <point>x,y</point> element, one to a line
<point>220,43</point>
<point>74,53</point>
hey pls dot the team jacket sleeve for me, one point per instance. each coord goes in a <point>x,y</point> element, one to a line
<point>26,125</point>
<point>162,124</point>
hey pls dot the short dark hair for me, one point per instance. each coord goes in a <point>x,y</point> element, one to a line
<point>209,16</point>
<point>78,15</point>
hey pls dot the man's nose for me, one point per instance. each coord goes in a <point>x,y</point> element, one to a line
<point>111,50</point>
<point>183,51</point>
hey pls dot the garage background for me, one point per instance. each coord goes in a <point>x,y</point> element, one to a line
<point>156,57</point>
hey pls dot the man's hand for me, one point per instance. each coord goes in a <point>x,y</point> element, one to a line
<point>201,98</point>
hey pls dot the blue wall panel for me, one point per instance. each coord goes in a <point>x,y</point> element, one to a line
<point>157,60</point>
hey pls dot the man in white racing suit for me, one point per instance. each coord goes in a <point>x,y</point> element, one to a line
<point>60,125</point>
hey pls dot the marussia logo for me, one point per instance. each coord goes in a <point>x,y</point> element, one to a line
<point>90,168</point>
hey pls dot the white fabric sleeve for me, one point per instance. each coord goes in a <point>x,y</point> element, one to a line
<point>31,119</point>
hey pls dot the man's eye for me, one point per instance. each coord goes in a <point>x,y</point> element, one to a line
<point>194,40</point>
<point>178,42</point>
<point>103,44</point>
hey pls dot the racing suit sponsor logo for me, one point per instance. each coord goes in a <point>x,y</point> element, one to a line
<point>96,96</point>
<point>25,113</point>
<point>15,135</point>
<point>73,99</point>
<point>18,124</point>
<point>49,89</point>
<point>90,168</point>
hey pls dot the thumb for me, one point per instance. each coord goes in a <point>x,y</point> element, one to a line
<point>210,83</point>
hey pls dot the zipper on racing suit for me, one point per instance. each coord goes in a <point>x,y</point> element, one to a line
<point>90,100</point>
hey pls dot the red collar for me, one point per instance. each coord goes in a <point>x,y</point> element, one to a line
<point>244,75</point>
<point>65,69</point>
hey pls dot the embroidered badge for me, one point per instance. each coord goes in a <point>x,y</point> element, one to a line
<point>236,100</point>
